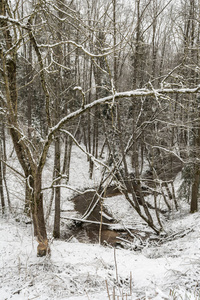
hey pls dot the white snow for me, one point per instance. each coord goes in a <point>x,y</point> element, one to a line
<point>80,271</point>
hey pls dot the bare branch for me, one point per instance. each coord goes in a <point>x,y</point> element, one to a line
<point>13,169</point>
<point>135,93</point>
<point>87,153</point>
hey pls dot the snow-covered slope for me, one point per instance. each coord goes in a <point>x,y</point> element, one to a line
<point>165,269</point>
<point>169,270</point>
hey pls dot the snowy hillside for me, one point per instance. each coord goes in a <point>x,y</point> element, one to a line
<point>165,268</point>
<point>85,271</point>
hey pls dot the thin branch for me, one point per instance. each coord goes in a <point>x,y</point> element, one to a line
<point>77,46</point>
<point>169,151</point>
<point>13,169</point>
<point>82,149</point>
<point>69,188</point>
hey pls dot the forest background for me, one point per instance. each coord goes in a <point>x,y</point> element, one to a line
<point>114,76</point>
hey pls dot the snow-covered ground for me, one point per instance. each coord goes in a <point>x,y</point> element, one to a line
<point>86,271</point>
<point>169,269</point>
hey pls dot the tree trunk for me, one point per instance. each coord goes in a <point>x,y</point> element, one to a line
<point>38,217</point>
<point>154,47</point>
<point>56,231</point>
<point>195,190</point>
<point>1,167</point>
<point>1,189</point>
<point>67,157</point>
<point>137,48</point>
<point>27,207</point>
<point>24,151</point>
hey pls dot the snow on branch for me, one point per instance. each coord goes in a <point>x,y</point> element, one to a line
<point>134,94</point>
<point>68,187</point>
<point>95,160</point>
<point>13,21</point>
<point>168,151</point>
<point>17,22</point>
<point>77,46</point>
<point>27,27</point>
<point>128,94</point>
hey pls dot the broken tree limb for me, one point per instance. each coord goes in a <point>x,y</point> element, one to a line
<point>85,221</point>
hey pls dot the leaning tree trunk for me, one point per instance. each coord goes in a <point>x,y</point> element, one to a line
<point>23,149</point>
<point>38,216</point>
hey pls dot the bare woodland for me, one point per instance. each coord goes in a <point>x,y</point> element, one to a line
<point>120,76</point>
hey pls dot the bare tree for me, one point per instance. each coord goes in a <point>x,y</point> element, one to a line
<point>141,127</point>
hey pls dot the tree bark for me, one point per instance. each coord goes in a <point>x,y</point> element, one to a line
<point>195,190</point>
<point>56,231</point>
<point>32,171</point>
<point>38,216</point>
<point>1,189</point>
